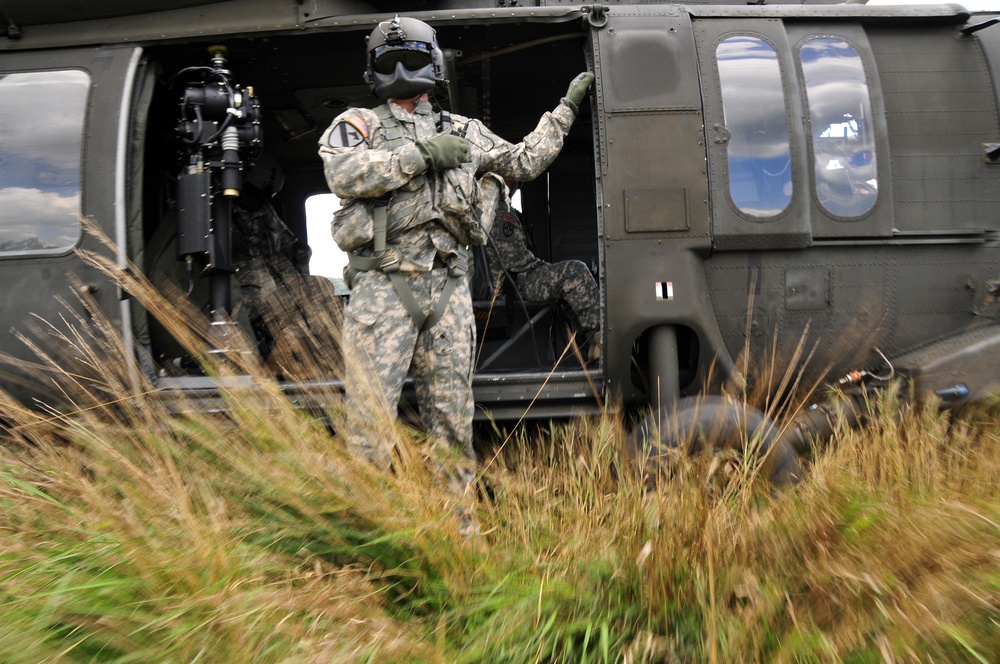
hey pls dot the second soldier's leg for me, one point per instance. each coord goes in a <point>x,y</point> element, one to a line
<point>569,281</point>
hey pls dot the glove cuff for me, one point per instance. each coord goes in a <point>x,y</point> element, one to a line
<point>571,104</point>
<point>412,159</point>
<point>426,154</point>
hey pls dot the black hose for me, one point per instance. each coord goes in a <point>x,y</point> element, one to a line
<point>816,424</point>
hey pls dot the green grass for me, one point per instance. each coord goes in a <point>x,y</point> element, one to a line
<point>132,534</point>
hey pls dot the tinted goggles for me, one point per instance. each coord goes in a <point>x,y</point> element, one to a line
<point>414,56</point>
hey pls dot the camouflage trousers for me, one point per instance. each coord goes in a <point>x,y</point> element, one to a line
<point>382,344</point>
<point>569,281</point>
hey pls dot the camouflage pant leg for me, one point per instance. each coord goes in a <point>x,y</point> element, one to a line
<point>378,341</point>
<point>442,375</point>
<point>569,281</point>
<point>255,282</point>
<point>254,279</point>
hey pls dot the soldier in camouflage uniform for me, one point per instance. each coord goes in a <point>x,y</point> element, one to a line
<point>266,253</point>
<point>568,281</point>
<point>417,169</point>
<point>269,260</point>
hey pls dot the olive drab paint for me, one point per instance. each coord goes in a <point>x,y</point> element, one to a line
<point>740,181</point>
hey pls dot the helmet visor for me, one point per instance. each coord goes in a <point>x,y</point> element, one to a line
<point>414,56</point>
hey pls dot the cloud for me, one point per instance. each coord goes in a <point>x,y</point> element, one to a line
<point>32,219</point>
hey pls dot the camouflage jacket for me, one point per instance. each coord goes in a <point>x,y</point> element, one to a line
<point>508,246</point>
<point>261,237</point>
<point>260,232</point>
<point>359,165</point>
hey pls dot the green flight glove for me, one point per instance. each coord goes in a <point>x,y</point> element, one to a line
<point>444,151</point>
<point>578,90</point>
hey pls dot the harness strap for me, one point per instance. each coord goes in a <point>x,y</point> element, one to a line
<point>417,314</point>
<point>455,274</point>
<point>379,225</point>
<point>362,263</point>
<point>449,288</point>
<point>386,261</point>
<point>388,264</point>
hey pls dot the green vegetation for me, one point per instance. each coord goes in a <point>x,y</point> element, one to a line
<point>134,532</point>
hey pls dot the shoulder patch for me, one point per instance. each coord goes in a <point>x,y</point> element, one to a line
<point>349,133</point>
<point>358,123</point>
<point>510,222</point>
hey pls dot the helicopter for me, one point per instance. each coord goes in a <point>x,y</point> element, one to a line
<point>744,180</point>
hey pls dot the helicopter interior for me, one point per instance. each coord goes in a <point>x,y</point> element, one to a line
<point>506,74</point>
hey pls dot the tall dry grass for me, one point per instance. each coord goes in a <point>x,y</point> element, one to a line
<point>137,530</point>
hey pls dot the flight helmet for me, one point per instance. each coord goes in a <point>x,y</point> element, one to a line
<point>404,59</point>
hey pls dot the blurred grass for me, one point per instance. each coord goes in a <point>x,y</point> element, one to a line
<point>132,533</point>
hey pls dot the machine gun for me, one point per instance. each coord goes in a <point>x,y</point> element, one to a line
<point>219,131</point>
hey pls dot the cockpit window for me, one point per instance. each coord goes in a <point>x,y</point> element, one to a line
<point>41,146</point>
<point>840,114</point>
<point>753,101</point>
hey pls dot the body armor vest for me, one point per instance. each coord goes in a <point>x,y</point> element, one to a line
<point>443,197</point>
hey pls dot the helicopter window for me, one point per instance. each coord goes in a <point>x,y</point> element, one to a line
<point>840,114</point>
<point>41,142</point>
<point>753,101</point>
